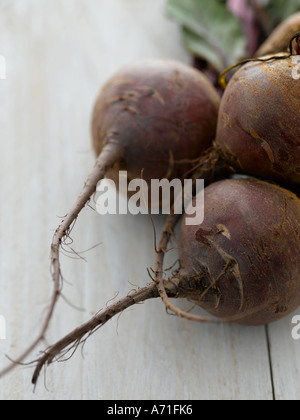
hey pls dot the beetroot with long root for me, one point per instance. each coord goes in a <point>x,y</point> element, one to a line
<point>153,118</point>
<point>241,265</point>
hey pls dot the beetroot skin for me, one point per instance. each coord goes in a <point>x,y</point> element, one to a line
<point>246,253</point>
<point>259,120</point>
<point>160,113</point>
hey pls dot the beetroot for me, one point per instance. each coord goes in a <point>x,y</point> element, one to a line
<point>258,133</point>
<point>246,253</point>
<point>241,265</point>
<point>258,121</point>
<point>153,119</point>
<point>159,114</point>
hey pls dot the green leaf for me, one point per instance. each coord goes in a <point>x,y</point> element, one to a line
<point>210,31</point>
<point>280,10</point>
<point>200,47</point>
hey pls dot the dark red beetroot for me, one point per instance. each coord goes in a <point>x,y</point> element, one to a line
<point>160,113</point>
<point>242,264</point>
<point>259,120</point>
<point>149,119</point>
<point>258,132</point>
<point>246,252</point>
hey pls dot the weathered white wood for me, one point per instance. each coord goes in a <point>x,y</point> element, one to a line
<point>58,55</point>
<point>285,358</point>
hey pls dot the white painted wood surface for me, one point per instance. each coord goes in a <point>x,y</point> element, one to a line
<point>58,54</point>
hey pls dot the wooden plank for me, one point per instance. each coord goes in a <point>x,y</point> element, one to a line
<point>58,55</point>
<point>284,350</point>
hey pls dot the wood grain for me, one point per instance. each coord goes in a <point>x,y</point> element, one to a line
<point>58,54</point>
